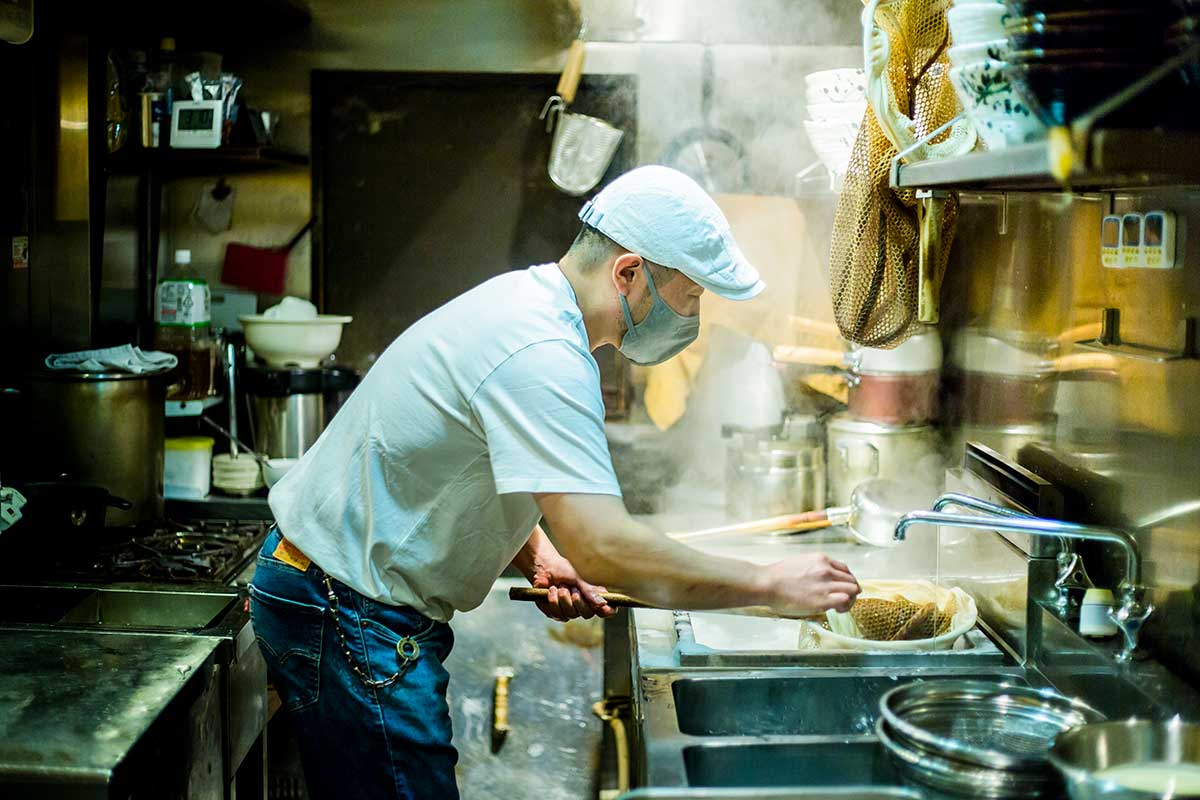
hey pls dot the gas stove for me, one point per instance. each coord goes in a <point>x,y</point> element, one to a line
<point>195,551</point>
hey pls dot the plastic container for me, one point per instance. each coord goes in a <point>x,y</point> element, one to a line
<point>183,327</point>
<point>1094,621</point>
<point>187,468</point>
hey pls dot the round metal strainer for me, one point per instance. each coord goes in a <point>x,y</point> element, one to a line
<point>992,725</point>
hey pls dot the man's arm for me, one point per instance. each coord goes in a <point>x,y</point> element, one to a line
<point>608,546</point>
<point>569,595</point>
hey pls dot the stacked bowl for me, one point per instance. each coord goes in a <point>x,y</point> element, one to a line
<point>978,739</point>
<point>1069,55</point>
<point>837,102</point>
<point>980,74</point>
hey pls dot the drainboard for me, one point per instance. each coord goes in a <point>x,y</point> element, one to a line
<point>822,764</point>
<point>789,706</point>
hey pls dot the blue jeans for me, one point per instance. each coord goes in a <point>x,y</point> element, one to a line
<point>368,706</point>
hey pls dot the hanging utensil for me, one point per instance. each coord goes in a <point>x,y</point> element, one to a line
<point>875,508</point>
<point>583,146</point>
<point>713,156</point>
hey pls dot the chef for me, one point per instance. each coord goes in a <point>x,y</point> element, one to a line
<point>478,431</point>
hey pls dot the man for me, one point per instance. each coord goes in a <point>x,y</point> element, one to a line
<point>480,421</point>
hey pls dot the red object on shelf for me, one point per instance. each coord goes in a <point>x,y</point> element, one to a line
<point>259,269</point>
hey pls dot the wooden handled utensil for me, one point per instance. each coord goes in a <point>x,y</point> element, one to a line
<point>787,523</point>
<point>617,600</point>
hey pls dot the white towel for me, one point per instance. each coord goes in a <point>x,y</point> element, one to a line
<point>124,358</point>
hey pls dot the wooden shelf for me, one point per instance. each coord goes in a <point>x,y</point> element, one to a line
<point>172,163</point>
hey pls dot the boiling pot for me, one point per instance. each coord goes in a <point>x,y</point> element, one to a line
<point>889,387</point>
<point>898,386</point>
<point>779,470</point>
<point>101,429</point>
<point>858,451</point>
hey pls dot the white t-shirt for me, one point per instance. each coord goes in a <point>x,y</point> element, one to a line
<point>419,492</point>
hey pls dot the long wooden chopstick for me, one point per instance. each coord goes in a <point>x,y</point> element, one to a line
<point>787,523</point>
<point>617,600</point>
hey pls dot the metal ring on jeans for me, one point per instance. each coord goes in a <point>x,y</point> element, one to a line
<point>407,648</point>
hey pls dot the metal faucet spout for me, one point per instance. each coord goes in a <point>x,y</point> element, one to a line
<point>1035,526</point>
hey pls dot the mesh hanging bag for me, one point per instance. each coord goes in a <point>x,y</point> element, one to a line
<point>874,252</point>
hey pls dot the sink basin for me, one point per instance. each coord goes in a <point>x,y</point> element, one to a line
<point>823,764</point>
<point>786,706</point>
<point>841,793</point>
<point>113,608</point>
<point>134,609</point>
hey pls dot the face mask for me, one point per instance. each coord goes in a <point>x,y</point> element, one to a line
<point>662,334</point>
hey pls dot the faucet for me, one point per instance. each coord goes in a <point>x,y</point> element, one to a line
<point>1071,572</point>
<point>1132,613</point>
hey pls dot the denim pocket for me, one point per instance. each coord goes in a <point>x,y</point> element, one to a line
<point>290,635</point>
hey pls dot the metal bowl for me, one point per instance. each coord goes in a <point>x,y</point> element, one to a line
<point>927,768</point>
<point>983,724</point>
<point>1087,755</point>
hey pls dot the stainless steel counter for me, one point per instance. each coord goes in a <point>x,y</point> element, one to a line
<point>764,718</point>
<point>98,663</point>
<point>91,710</point>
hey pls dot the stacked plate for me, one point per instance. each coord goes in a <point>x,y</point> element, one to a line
<point>837,102</point>
<point>1069,55</point>
<point>979,73</point>
<point>979,739</point>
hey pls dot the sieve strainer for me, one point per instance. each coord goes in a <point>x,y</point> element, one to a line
<point>990,725</point>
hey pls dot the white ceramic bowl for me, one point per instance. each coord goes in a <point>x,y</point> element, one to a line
<point>833,143</point>
<point>285,342</point>
<point>835,86</point>
<point>997,50</point>
<point>976,22</point>
<point>837,112</point>
<point>276,468</point>
<point>1000,116</point>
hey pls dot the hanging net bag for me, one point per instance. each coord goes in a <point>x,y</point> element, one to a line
<point>877,235</point>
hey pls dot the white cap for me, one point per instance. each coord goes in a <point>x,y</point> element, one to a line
<point>183,256</point>
<point>664,216</point>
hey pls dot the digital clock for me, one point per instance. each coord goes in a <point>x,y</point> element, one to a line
<point>197,123</point>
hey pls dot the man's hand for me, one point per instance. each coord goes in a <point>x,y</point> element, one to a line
<point>570,595</point>
<point>809,585</point>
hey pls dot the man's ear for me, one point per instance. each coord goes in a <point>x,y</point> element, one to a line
<point>625,271</point>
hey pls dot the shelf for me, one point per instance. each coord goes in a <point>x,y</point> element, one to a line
<point>1118,159</point>
<point>178,163</point>
<point>220,25</point>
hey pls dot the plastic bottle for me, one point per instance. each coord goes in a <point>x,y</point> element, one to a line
<point>160,84</point>
<point>183,327</point>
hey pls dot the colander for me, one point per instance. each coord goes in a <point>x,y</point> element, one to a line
<point>583,146</point>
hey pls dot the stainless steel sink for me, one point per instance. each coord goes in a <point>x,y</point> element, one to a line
<point>120,609</point>
<point>818,764</point>
<point>787,706</point>
<point>135,609</point>
<point>839,793</point>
